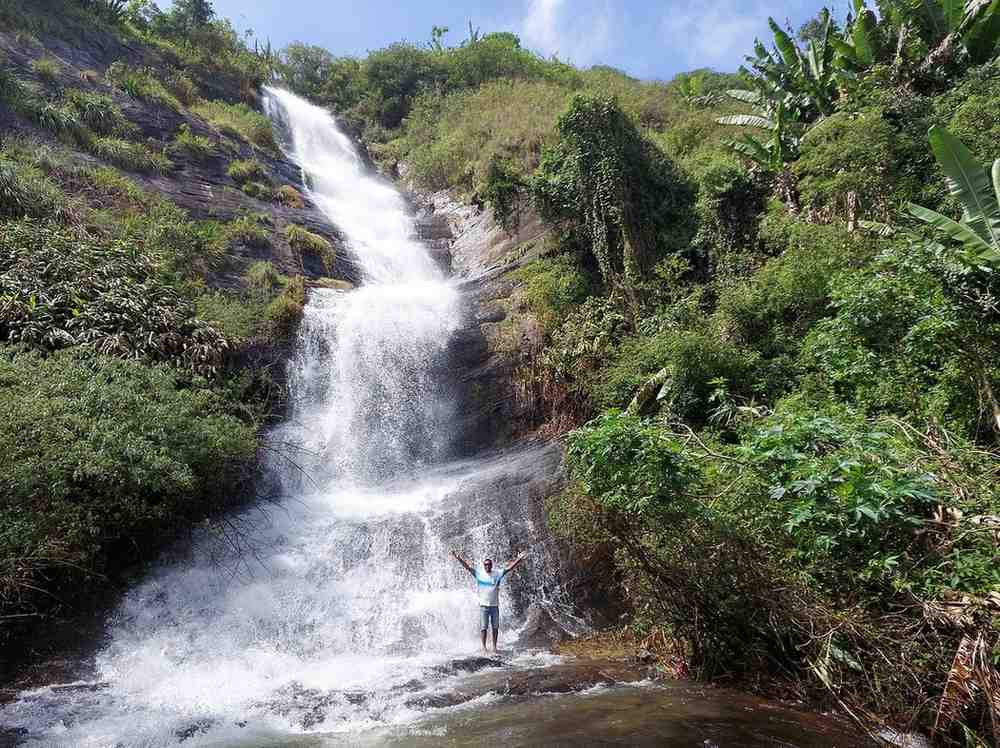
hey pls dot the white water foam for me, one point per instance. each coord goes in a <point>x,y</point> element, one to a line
<point>346,587</point>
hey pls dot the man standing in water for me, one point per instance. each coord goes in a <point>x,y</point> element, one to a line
<point>488,582</point>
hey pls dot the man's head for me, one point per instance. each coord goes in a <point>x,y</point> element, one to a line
<point>488,564</point>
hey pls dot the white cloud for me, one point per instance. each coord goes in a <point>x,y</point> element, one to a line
<point>717,34</point>
<point>576,31</point>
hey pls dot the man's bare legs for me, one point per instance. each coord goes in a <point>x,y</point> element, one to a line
<point>494,641</point>
<point>484,639</point>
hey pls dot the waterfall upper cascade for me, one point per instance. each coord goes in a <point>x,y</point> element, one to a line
<point>342,594</point>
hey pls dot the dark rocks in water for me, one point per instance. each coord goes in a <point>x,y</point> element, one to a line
<point>540,630</point>
<point>10,737</point>
<point>468,665</point>
<point>571,677</point>
<point>308,707</point>
<point>565,678</point>
<point>186,733</point>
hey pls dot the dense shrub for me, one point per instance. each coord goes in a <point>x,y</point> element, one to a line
<point>552,287</point>
<point>849,168</point>
<point>62,288</point>
<point>453,141</point>
<point>624,195</point>
<point>106,457</point>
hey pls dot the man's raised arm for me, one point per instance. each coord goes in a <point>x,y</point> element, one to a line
<point>513,564</point>
<point>464,563</point>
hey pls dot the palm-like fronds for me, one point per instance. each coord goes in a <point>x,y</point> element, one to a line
<point>977,190</point>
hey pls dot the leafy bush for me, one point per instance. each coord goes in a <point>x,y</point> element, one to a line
<point>239,120</point>
<point>552,287</point>
<point>900,343</point>
<point>304,242</point>
<point>45,68</point>
<point>196,147</point>
<point>62,288</point>
<point>107,457</point>
<point>849,167</point>
<point>625,197</point>
<point>132,156</point>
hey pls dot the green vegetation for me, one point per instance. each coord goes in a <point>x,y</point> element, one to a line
<point>771,309</point>
<point>239,120</point>
<point>106,455</point>
<point>195,147</point>
<point>45,68</point>
<point>141,83</point>
<point>133,388</point>
<point>306,242</point>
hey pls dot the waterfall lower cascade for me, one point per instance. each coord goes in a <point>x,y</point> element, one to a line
<point>324,612</point>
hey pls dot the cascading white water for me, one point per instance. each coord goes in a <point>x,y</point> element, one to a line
<point>345,588</point>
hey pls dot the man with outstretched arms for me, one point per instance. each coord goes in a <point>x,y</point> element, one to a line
<point>488,583</point>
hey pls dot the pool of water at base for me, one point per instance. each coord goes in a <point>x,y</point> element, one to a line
<point>647,714</point>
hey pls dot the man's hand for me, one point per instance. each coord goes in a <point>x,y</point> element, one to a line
<point>462,561</point>
<point>520,557</point>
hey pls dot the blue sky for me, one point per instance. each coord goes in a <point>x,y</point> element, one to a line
<point>646,38</point>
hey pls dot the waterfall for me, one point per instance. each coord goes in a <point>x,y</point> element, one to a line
<point>325,611</point>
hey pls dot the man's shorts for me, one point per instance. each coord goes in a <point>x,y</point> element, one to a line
<point>489,613</point>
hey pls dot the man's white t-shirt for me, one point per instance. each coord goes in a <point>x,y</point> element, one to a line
<point>489,587</point>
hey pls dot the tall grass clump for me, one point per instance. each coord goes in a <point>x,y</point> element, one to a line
<point>240,121</point>
<point>141,83</point>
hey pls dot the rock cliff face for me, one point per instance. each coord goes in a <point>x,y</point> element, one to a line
<point>494,354</point>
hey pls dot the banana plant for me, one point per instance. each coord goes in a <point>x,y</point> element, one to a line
<point>859,49</point>
<point>805,79</point>
<point>774,152</point>
<point>951,27</point>
<point>771,154</point>
<point>977,233</point>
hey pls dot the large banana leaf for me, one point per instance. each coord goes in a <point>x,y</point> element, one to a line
<point>980,29</point>
<point>935,16</point>
<point>968,181</point>
<point>952,12</point>
<point>974,244</point>
<point>746,120</point>
<point>754,150</point>
<point>789,51</point>
<point>863,37</point>
<point>748,97</point>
